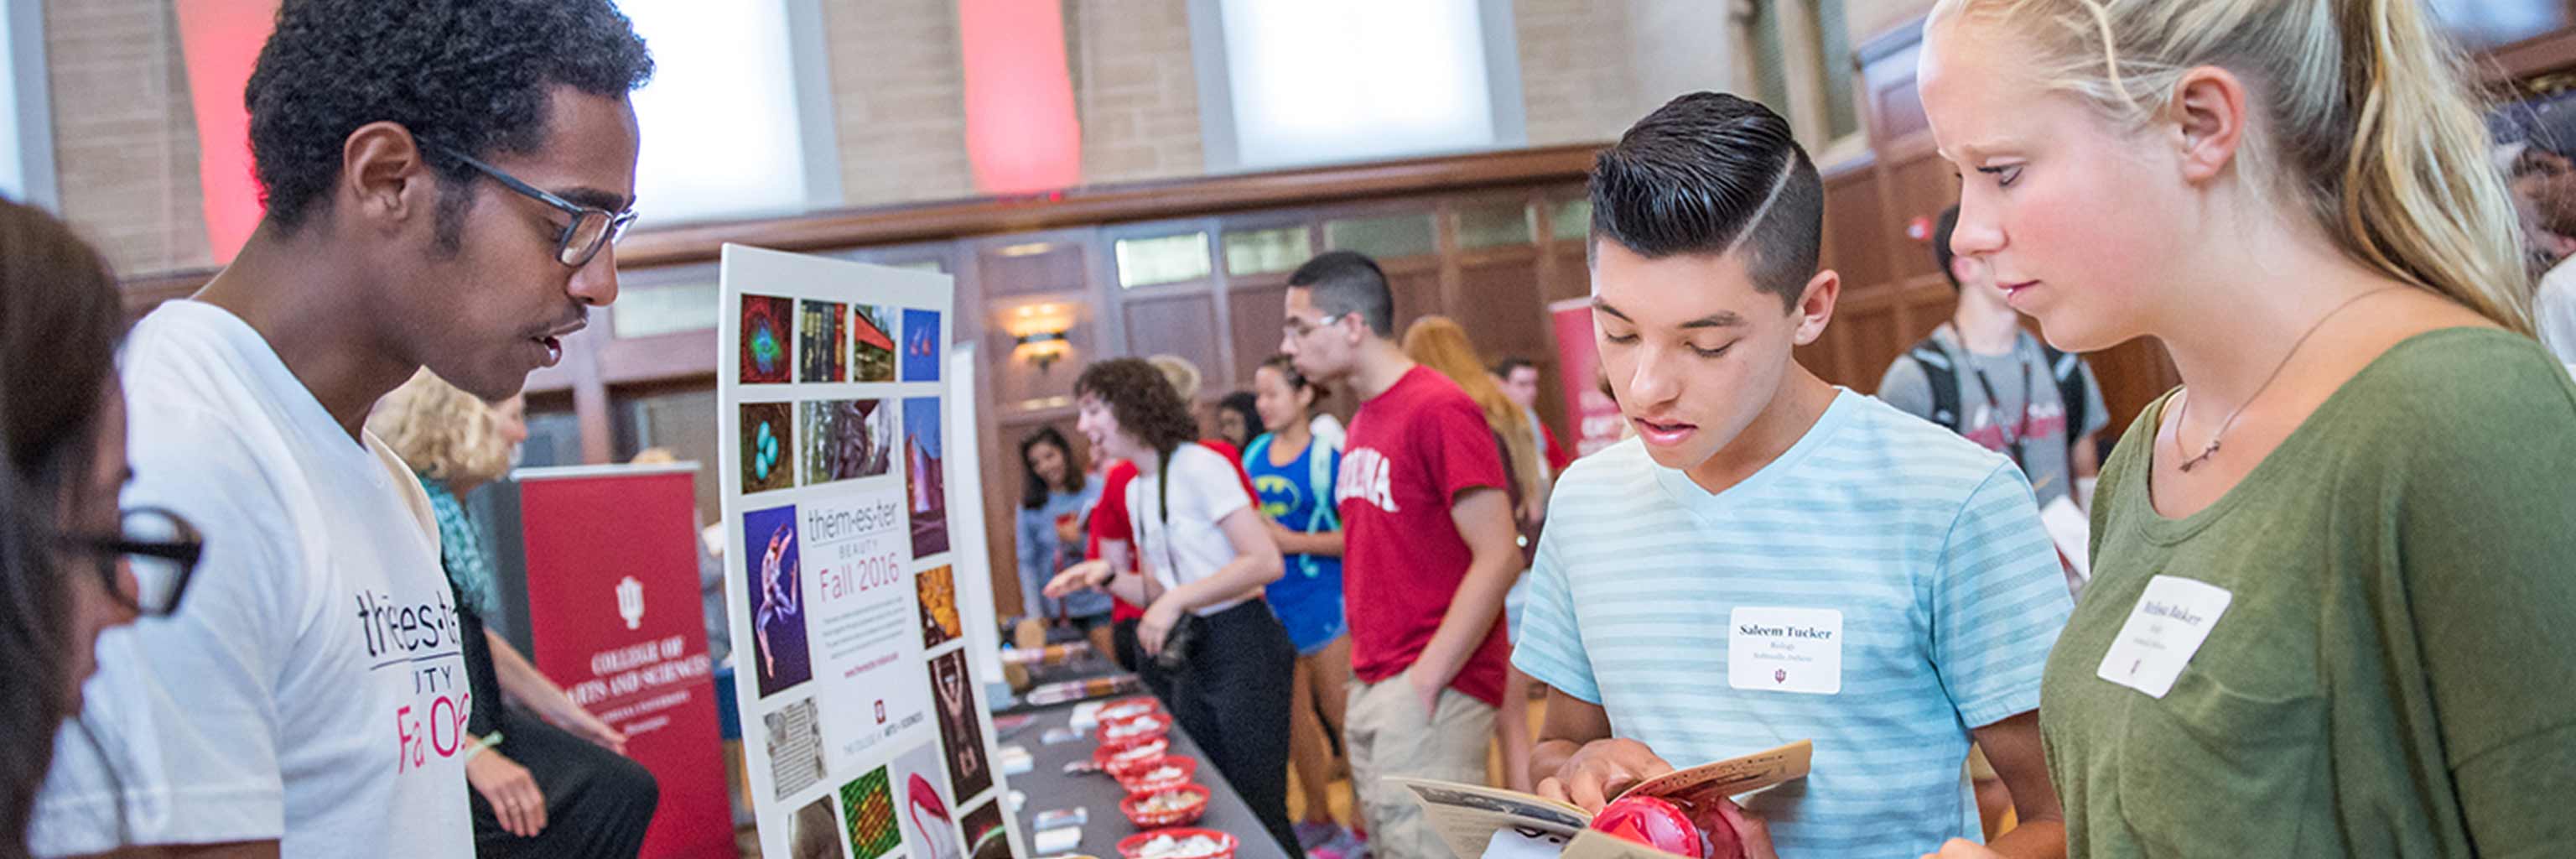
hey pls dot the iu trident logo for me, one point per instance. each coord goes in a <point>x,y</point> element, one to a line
<point>630,602</point>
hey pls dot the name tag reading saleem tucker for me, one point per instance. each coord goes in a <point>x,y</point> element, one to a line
<point>2171,620</point>
<point>1785,650</point>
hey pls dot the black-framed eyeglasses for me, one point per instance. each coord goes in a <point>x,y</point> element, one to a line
<point>162,547</point>
<point>591,229</point>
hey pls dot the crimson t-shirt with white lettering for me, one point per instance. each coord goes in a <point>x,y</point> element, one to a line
<point>1411,451</point>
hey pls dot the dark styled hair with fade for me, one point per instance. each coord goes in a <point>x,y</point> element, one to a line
<point>1349,282</point>
<point>472,74</point>
<point>1707,174</point>
<point>1141,399</point>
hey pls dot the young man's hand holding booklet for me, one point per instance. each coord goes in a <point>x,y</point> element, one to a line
<point>1469,817</point>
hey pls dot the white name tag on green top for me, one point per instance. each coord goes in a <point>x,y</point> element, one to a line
<point>1785,650</point>
<point>2171,620</point>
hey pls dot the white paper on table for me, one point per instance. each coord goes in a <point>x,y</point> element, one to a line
<point>1523,844</point>
<point>1059,840</point>
<point>2073,534</point>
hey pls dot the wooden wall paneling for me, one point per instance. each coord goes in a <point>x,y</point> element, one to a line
<point>1256,314</point>
<point>1035,266</point>
<point>1245,192</point>
<point>1874,334</point>
<point>1894,111</point>
<point>2133,375</point>
<point>1182,323</point>
<point>1207,343</point>
<point>1020,383</point>
<point>1854,225</point>
<point>1923,303</point>
<point>1919,186</point>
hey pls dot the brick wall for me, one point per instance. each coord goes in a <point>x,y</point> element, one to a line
<point>126,147</point>
<point>1576,81</point>
<point>900,98</point>
<point>125,138</point>
<point>1135,88</point>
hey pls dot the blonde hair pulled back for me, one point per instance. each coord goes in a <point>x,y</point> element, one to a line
<point>2368,120</point>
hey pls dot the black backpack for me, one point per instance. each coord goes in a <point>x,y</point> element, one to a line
<point>1942,372</point>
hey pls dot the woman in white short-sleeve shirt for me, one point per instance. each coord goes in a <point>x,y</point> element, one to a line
<point>1199,566</point>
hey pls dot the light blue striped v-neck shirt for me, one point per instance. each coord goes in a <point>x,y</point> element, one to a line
<point>1914,557</point>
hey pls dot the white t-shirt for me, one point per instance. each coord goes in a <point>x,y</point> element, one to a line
<point>1190,547</point>
<point>310,688</point>
<point>2553,311</point>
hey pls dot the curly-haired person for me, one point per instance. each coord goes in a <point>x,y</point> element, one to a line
<point>443,179</point>
<point>1205,554</point>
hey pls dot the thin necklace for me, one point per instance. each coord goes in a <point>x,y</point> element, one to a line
<point>2223,426</point>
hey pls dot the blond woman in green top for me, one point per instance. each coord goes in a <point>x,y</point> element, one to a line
<point>2333,610</point>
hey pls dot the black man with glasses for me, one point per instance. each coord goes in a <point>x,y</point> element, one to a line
<point>444,185</point>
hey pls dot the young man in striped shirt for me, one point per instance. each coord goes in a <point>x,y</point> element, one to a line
<point>1772,558</point>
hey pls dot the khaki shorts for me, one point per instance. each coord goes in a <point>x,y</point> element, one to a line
<point>1387,734</point>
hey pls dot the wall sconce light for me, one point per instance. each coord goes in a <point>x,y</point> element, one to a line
<point>1038,333</point>
<point>1042,348</point>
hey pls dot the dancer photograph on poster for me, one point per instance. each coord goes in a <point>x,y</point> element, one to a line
<point>929,821</point>
<point>822,341</point>
<point>937,588</point>
<point>985,837</point>
<point>813,834</point>
<point>924,481</point>
<point>768,447</point>
<point>764,343</point>
<point>847,439</point>
<point>870,809</point>
<point>777,599</point>
<point>959,730</point>
<point>872,333</point>
<point>921,353</point>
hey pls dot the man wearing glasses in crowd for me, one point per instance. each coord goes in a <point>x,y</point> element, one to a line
<point>443,183</point>
<point>1428,550</point>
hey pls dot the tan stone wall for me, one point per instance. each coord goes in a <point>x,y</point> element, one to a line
<point>1576,80</point>
<point>126,145</point>
<point>900,96</point>
<point>1135,89</point>
<point>125,138</point>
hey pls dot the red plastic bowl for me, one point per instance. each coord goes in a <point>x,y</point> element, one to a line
<point>1134,807</point>
<point>1140,782</point>
<point>1123,762</point>
<point>1128,847</point>
<point>1131,707</point>
<point>1136,731</point>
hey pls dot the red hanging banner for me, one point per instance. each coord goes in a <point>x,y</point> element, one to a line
<point>220,40</point>
<point>1021,133</point>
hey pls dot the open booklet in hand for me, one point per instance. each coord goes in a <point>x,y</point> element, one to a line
<point>1467,816</point>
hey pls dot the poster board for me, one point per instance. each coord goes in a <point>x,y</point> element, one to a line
<point>614,615</point>
<point>864,730</point>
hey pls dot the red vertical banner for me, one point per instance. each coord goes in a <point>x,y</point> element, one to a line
<point>1021,132</point>
<point>614,616</point>
<point>1597,422</point>
<point>220,40</point>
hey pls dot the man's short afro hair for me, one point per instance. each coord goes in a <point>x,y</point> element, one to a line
<point>471,74</point>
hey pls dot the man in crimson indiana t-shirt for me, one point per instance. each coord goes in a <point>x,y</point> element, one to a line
<point>1411,451</point>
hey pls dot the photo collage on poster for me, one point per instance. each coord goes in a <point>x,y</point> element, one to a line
<point>872,734</point>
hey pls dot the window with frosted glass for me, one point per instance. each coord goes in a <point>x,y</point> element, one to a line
<point>1163,259</point>
<point>1385,237</point>
<point>1267,251</point>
